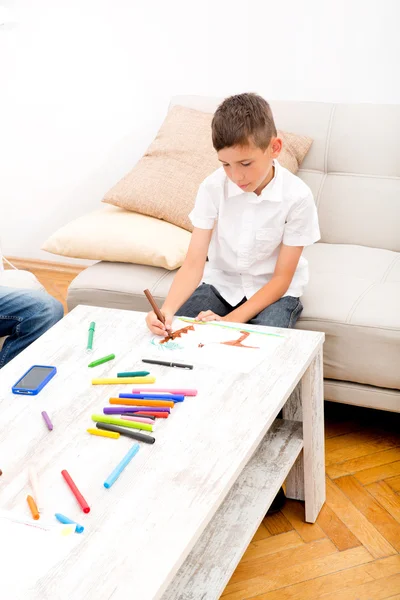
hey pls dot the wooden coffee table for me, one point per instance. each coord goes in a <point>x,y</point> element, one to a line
<point>177,521</point>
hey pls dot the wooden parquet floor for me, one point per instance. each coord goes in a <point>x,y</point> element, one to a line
<point>352,551</point>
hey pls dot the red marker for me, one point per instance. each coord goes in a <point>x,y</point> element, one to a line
<point>82,502</point>
<point>149,413</point>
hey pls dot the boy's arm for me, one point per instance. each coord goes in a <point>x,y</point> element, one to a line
<point>189,275</point>
<point>185,282</point>
<point>272,291</point>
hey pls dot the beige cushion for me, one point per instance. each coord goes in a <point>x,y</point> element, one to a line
<point>165,181</point>
<point>118,235</point>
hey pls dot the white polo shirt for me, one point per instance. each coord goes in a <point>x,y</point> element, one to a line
<point>249,230</point>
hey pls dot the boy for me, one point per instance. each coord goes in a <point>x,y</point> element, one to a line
<point>252,219</point>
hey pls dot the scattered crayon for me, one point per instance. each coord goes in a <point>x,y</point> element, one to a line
<point>136,435</point>
<point>33,478</point>
<point>33,507</point>
<point>81,500</point>
<point>138,402</point>
<point>116,380</point>
<point>121,466</point>
<point>109,434</point>
<point>184,392</point>
<point>92,327</point>
<point>47,420</point>
<point>116,421</point>
<point>100,361</point>
<point>63,519</point>
<point>153,396</point>
<point>133,374</point>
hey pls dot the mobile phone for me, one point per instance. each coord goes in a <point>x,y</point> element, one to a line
<point>34,380</point>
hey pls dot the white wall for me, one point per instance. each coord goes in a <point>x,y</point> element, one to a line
<point>85,84</point>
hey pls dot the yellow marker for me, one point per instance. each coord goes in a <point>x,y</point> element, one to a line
<point>103,433</point>
<point>114,380</point>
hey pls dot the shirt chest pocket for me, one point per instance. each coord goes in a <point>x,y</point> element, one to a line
<point>267,240</point>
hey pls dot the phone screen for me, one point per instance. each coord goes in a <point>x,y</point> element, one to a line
<point>34,378</point>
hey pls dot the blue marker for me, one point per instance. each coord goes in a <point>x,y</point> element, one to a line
<point>121,466</point>
<point>150,396</point>
<point>63,519</point>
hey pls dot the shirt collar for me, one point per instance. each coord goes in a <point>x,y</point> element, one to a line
<point>271,192</point>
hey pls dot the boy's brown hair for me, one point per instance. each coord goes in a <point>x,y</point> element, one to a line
<point>242,118</point>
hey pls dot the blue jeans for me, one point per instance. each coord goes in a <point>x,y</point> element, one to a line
<point>282,313</point>
<point>24,316</point>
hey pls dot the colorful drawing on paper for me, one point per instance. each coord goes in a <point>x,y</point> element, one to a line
<point>225,326</point>
<point>178,333</point>
<point>225,346</point>
<point>236,343</point>
<point>164,345</point>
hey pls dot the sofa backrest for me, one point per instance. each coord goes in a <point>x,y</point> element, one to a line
<point>353,166</point>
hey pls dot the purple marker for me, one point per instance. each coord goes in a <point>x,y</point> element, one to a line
<point>120,410</point>
<point>47,420</point>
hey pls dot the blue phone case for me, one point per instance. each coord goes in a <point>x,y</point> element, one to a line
<point>32,392</point>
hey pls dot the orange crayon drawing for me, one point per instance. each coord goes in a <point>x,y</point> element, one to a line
<point>177,334</point>
<point>237,343</point>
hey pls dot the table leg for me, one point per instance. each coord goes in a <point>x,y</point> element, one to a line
<point>306,479</point>
<point>292,411</point>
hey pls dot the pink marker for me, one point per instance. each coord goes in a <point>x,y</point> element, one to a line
<point>137,419</point>
<point>166,391</point>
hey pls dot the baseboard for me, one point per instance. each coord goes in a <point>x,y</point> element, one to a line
<point>29,264</point>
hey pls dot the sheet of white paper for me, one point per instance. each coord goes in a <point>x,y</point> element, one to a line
<point>226,346</point>
<point>30,551</point>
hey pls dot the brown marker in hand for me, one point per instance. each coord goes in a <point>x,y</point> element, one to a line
<point>154,306</point>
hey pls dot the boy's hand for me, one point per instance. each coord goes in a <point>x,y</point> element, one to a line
<point>155,325</point>
<point>208,315</point>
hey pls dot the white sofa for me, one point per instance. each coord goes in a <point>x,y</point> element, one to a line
<point>353,169</point>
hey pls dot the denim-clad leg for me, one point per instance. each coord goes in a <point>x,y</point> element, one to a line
<point>24,316</point>
<point>282,313</point>
<point>205,297</point>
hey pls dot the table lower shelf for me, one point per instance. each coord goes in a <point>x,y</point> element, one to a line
<point>209,566</point>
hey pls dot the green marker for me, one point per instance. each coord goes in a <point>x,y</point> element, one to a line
<point>133,374</point>
<point>91,334</point>
<point>100,361</point>
<point>122,422</point>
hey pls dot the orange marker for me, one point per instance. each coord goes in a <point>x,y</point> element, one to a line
<point>33,507</point>
<point>136,402</point>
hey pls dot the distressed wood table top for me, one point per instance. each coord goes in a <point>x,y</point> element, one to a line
<point>138,532</point>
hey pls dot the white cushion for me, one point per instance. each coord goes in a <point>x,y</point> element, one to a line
<point>114,234</point>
